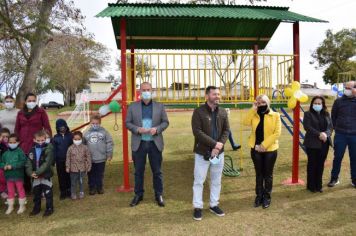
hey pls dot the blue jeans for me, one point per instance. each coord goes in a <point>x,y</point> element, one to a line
<point>341,141</point>
<point>96,176</point>
<point>155,157</point>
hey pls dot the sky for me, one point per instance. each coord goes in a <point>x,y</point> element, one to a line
<point>340,14</point>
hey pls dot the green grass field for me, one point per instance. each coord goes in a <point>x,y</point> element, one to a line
<point>294,211</point>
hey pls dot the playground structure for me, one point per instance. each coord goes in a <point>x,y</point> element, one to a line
<point>180,78</point>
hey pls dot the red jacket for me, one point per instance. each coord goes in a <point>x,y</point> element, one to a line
<point>25,127</point>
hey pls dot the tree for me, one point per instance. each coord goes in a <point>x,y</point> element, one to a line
<point>29,25</point>
<point>68,63</point>
<point>336,54</point>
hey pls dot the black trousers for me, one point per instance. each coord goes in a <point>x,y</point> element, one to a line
<point>63,178</point>
<point>37,196</point>
<point>27,183</point>
<point>148,148</point>
<point>264,164</point>
<point>96,176</point>
<point>315,166</point>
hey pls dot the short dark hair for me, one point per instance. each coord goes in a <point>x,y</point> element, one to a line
<point>9,96</point>
<point>5,130</point>
<point>30,95</point>
<point>40,133</point>
<point>207,90</point>
<point>78,133</point>
<point>95,117</point>
<point>14,136</point>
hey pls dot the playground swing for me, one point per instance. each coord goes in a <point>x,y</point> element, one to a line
<point>229,169</point>
<point>115,108</point>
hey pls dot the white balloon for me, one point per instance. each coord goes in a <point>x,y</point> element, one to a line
<point>104,110</point>
<point>298,94</point>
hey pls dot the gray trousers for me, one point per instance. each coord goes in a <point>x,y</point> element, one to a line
<point>76,178</point>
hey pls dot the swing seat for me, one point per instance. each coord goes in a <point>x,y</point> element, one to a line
<point>229,169</point>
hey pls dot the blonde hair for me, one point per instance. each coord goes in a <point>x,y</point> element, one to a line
<point>265,98</point>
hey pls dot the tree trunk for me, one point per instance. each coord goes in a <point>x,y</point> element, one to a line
<point>38,44</point>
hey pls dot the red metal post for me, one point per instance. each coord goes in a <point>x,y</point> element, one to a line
<point>132,66</point>
<point>125,147</point>
<point>255,71</point>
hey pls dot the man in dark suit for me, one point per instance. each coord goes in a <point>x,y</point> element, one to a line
<point>147,119</point>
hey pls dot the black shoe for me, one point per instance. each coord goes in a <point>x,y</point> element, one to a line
<point>62,196</point>
<point>48,212</point>
<point>100,191</point>
<point>311,190</point>
<point>266,203</point>
<point>35,212</point>
<point>333,182</point>
<point>353,183</point>
<point>236,147</point>
<point>136,200</point>
<point>217,211</point>
<point>258,201</point>
<point>197,215</point>
<point>160,201</point>
<point>92,192</point>
<point>320,191</point>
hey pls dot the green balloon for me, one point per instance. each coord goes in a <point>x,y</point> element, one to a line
<point>114,106</point>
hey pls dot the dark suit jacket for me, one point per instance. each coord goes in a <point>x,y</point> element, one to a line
<point>312,127</point>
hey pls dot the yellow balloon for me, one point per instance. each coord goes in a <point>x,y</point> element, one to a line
<point>292,102</point>
<point>288,92</point>
<point>295,85</point>
<point>298,94</point>
<point>304,98</point>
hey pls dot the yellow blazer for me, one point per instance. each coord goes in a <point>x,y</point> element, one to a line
<point>272,129</point>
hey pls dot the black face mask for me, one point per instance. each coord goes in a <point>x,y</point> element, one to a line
<point>262,109</point>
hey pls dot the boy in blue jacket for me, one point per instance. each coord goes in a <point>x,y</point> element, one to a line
<point>61,142</point>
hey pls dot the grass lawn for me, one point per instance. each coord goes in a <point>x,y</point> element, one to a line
<point>294,211</point>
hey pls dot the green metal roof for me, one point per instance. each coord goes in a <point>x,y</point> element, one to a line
<point>194,26</point>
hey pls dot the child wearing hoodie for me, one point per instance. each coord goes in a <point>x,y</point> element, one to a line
<point>61,142</point>
<point>4,138</point>
<point>39,167</point>
<point>13,162</point>
<point>78,163</point>
<point>100,145</point>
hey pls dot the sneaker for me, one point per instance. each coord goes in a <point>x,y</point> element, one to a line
<point>100,191</point>
<point>217,211</point>
<point>333,182</point>
<point>92,192</point>
<point>48,212</point>
<point>81,195</point>
<point>73,197</point>
<point>353,183</point>
<point>197,215</point>
<point>35,212</point>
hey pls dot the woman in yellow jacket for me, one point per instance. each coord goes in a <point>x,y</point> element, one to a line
<point>263,141</point>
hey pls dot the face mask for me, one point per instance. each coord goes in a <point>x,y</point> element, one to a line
<point>13,145</point>
<point>95,127</point>
<point>214,160</point>
<point>262,109</point>
<point>348,92</point>
<point>40,145</point>
<point>77,142</point>
<point>317,108</point>
<point>48,140</point>
<point>9,105</point>
<point>31,105</point>
<point>146,95</point>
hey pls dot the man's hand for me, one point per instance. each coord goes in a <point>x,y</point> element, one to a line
<point>142,130</point>
<point>215,152</point>
<point>153,131</point>
<point>323,137</point>
<point>219,145</point>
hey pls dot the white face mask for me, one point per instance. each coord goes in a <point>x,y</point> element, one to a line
<point>77,142</point>
<point>215,160</point>
<point>31,105</point>
<point>348,92</point>
<point>9,105</point>
<point>48,140</point>
<point>13,145</point>
<point>147,95</point>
